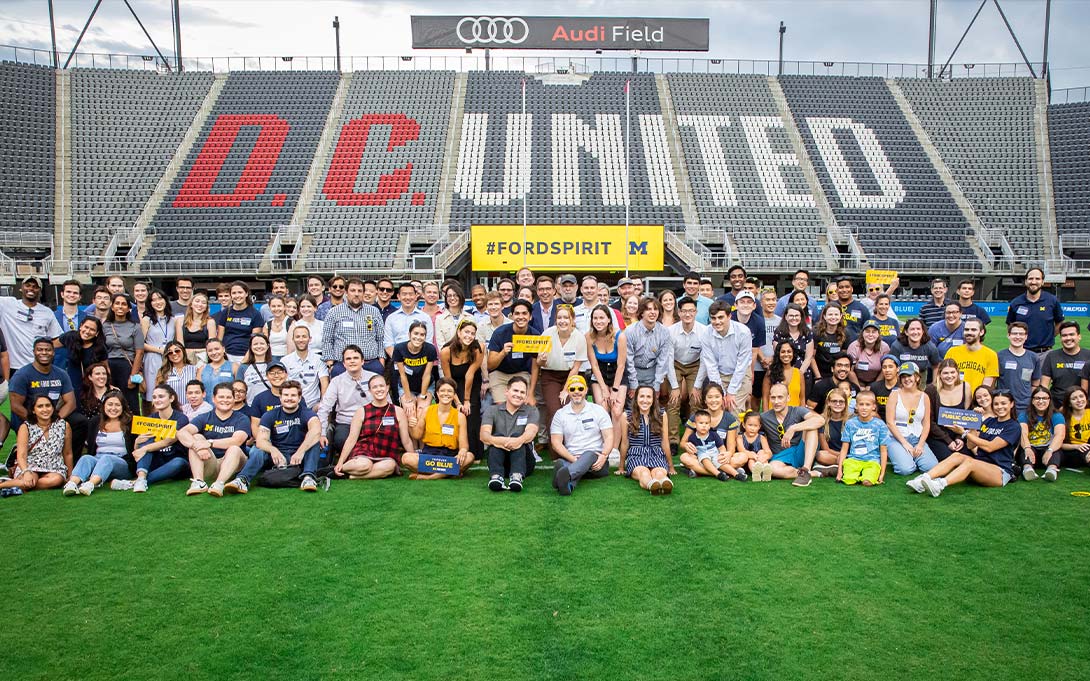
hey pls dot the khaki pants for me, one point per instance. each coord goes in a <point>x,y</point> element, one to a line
<point>686,374</point>
<point>741,398</point>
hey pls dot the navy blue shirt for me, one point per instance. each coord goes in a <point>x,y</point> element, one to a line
<point>1010,432</point>
<point>212,427</point>
<point>238,326</point>
<point>287,431</point>
<point>515,362</point>
<point>974,311</point>
<point>756,326</point>
<point>263,403</point>
<point>855,313</point>
<point>29,382</point>
<point>1041,317</point>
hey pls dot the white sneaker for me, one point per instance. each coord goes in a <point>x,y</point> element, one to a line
<point>614,457</point>
<point>121,485</point>
<point>916,484</point>
<point>216,489</point>
<point>1028,474</point>
<point>87,488</point>
<point>196,487</point>
<point>935,487</point>
<point>1051,474</point>
<point>140,485</point>
<point>70,489</point>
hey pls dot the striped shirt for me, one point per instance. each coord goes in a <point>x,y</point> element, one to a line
<point>345,325</point>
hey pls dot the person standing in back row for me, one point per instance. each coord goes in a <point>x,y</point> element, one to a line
<point>24,320</point>
<point>933,311</point>
<point>1040,310</point>
<point>855,312</point>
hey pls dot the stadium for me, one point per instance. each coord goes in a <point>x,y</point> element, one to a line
<point>467,168</point>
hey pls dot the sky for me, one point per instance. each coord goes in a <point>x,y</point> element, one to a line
<point>817,30</point>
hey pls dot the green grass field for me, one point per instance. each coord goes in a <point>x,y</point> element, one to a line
<point>407,580</point>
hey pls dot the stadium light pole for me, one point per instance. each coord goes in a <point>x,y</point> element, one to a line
<point>783,29</point>
<point>178,35</point>
<point>931,41</point>
<point>1044,56</point>
<point>53,35</point>
<point>337,38</point>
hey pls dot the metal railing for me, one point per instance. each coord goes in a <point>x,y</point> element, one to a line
<point>1071,95</point>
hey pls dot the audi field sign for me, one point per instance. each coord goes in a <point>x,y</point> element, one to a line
<point>559,33</point>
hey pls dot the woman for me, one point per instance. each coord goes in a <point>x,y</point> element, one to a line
<point>238,322</point>
<point>981,402</point>
<point>782,370</point>
<point>159,458</point>
<point>140,292</point>
<point>43,449</point>
<point>414,361</point>
<point>308,307</point>
<point>447,321</point>
<point>461,360</point>
<point>441,432</point>
<point>949,391</point>
<point>866,353</point>
<point>836,415</point>
<point>1078,425</point>
<point>376,438</point>
<point>608,354</point>
<point>914,345</point>
<point>255,364</point>
<point>793,330</point>
<point>177,371</point>
<point>94,385</point>
<point>239,390</point>
<point>278,329</point>
<point>525,293</point>
<point>196,327</point>
<point>124,350</point>
<point>990,464</point>
<point>291,307</point>
<point>887,382</point>
<point>723,422</point>
<point>630,308</point>
<point>217,369</point>
<point>668,301</point>
<point>1043,430</point>
<point>830,339</point>
<point>109,443</point>
<point>909,424</point>
<point>802,300</point>
<point>888,326</point>
<point>84,346</point>
<point>565,357</point>
<point>158,327</point>
<point>644,443</point>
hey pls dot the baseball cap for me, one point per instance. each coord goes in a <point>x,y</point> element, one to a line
<point>908,369</point>
<point>871,324</point>
<point>33,279</point>
<point>277,365</point>
<point>624,281</point>
<point>745,294</point>
<point>576,380</point>
<point>567,279</point>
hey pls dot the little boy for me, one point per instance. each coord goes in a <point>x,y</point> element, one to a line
<point>708,448</point>
<point>865,437</point>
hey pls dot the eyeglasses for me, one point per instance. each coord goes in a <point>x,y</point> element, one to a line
<point>238,390</point>
<point>386,289</point>
<point>1041,398</point>
<point>577,389</point>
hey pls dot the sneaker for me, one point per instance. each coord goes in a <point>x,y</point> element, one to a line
<point>741,476</point>
<point>309,484</point>
<point>766,471</point>
<point>1051,474</point>
<point>140,485</point>
<point>655,487</point>
<point>216,489</point>
<point>916,484</point>
<point>11,491</point>
<point>121,485</point>
<point>495,483</point>
<point>196,487</point>
<point>237,486</point>
<point>722,476</point>
<point>515,485</point>
<point>614,457</point>
<point>70,489</point>
<point>87,488</point>
<point>690,472</point>
<point>667,486</point>
<point>323,482</point>
<point>1028,474</point>
<point>803,478</point>
<point>562,481</point>
<point>935,487</point>
<point>824,471</point>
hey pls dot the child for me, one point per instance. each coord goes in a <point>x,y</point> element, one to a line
<point>830,436</point>
<point>709,446</point>
<point>753,448</point>
<point>866,438</point>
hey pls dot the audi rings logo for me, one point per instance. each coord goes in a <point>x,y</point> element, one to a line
<point>492,30</point>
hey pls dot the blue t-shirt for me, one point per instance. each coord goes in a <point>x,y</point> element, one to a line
<point>974,311</point>
<point>287,431</point>
<point>1041,317</point>
<point>864,438</point>
<point>210,377</point>
<point>1016,374</point>
<point>515,362</point>
<point>708,446</point>
<point>944,338</point>
<point>263,403</point>
<point>888,330</point>
<point>855,313</point>
<point>30,383</point>
<point>1040,435</point>
<point>1008,431</point>
<point>212,427</point>
<point>756,326</point>
<point>238,326</point>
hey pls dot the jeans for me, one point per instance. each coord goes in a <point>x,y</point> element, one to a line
<point>105,466</point>
<point>505,463</point>
<point>259,460</point>
<point>159,469</point>
<point>581,467</point>
<point>903,461</point>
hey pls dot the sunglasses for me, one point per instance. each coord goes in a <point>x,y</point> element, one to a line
<point>386,289</point>
<point>339,287</point>
<point>174,351</point>
<point>577,389</point>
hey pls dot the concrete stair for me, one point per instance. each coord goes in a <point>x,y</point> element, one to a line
<point>1044,172</point>
<point>62,187</point>
<point>450,161</point>
<point>322,153</point>
<point>677,158</point>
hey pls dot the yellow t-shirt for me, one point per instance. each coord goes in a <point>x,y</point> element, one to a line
<point>975,365</point>
<point>1078,432</point>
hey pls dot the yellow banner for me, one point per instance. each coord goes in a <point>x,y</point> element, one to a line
<point>567,247</point>
<point>881,277</point>
<point>160,429</point>
<point>532,344</point>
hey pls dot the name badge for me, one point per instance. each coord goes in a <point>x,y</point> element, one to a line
<point>245,321</point>
<point>722,434</point>
<point>516,355</point>
<point>957,341</point>
<point>447,429</point>
<point>1021,310</point>
<point>569,355</point>
<point>588,424</point>
<point>902,424</point>
<point>863,366</point>
<point>349,324</point>
<point>388,421</point>
<point>1010,366</point>
<point>408,370</point>
<point>520,420</point>
<point>54,395</point>
<point>834,348</point>
<point>860,449</point>
<point>282,430</point>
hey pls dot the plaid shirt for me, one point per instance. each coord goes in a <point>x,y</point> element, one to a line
<point>378,440</point>
<point>345,326</point>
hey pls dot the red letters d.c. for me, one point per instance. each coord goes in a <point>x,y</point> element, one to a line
<point>196,191</point>
<point>340,183</point>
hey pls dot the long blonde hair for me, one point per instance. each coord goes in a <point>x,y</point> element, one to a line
<point>188,320</point>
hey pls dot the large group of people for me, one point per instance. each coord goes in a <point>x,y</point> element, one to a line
<point>360,380</point>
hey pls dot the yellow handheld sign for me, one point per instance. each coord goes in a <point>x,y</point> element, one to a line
<point>881,277</point>
<point>160,429</point>
<point>531,344</point>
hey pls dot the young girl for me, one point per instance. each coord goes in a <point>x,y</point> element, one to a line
<point>782,370</point>
<point>836,415</point>
<point>278,329</point>
<point>158,458</point>
<point>793,330</point>
<point>947,391</point>
<point>886,383</point>
<point>441,431</point>
<point>753,449</point>
<point>461,361</point>
<point>109,443</point>
<point>982,402</point>
<point>177,371</point>
<point>43,449</point>
<point>909,420</point>
<point>217,369</point>
<point>1078,424</point>
<point>1043,431</point>
<point>195,327</point>
<point>830,338</point>
<point>866,353</point>
<point>644,443</point>
<point>608,354</point>
<point>722,422</point>
<point>158,327</point>
<point>255,364</point>
<point>414,360</point>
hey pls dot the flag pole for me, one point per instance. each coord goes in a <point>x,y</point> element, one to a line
<point>525,188</point>
<point>627,167</point>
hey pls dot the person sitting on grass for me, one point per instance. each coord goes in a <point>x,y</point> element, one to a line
<point>43,449</point>
<point>159,458</point>
<point>377,436</point>
<point>1078,425</point>
<point>909,422</point>
<point>792,436</point>
<point>109,443</point>
<point>836,414</point>
<point>865,439</point>
<point>753,447</point>
<point>1043,430</point>
<point>645,440</point>
<point>724,423</point>
<point>441,432</point>
<point>287,439</point>
<point>712,456</point>
<point>209,438</point>
<point>992,462</point>
<point>508,430</point>
<point>580,436</point>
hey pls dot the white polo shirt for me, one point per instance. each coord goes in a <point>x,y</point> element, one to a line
<point>309,373</point>
<point>582,431</point>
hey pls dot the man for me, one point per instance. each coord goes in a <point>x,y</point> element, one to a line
<point>278,287</point>
<point>625,289</point>
<point>503,362</point>
<point>650,352</point>
<point>354,323</point>
<point>933,310</point>
<point>733,285</point>
<point>346,393</point>
<point>1065,367</point>
<point>210,438</point>
<point>969,309</point>
<point>316,288</point>
<point>24,320</point>
<point>266,401</point>
<point>184,287</point>
<point>745,304</point>
<point>949,332</point>
<point>569,291</point>
<point>42,377</point>
<point>396,327</point>
<point>855,312</point>
<point>753,285</point>
<point>978,365</point>
<point>287,439</point>
<point>771,322</point>
<point>1040,310</point>
<point>525,277</point>
<point>506,288</point>
<point>686,337</point>
<point>691,284</point>
<point>493,317</point>
<point>100,304</point>
<point>589,289</point>
<point>378,436</point>
<point>477,294</point>
<point>384,293</point>
<point>1019,369</point>
<point>508,430</point>
<point>337,287</point>
<point>370,292</point>
<point>792,434</point>
<point>637,287</point>
<point>800,282</point>
<point>306,368</point>
<point>68,313</point>
<point>544,310</point>
<point>726,357</point>
<point>581,436</point>
<point>842,368</point>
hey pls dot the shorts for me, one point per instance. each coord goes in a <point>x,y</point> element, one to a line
<point>713,457</point>
<point>793,456</point>
<point>857,470</point>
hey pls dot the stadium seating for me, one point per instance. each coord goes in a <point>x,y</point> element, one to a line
<point>381,175</point>
<point>1069,143</point>
<point>126,126</point>
<point>983,128</point>
<point>245,173</point>
<point>27,149</point>
<point>875,173</point>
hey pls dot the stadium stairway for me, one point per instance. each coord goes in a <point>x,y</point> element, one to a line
<point>62,187</point>
<point>677,158</point>
<point>1054,266</point>
<point>454,141</point>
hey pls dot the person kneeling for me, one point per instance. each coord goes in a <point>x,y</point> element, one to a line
<point>287,442</point>
<point>379,432</point>
<point>442,432</point>
<point>866,438</point>
<point>581,436</point>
